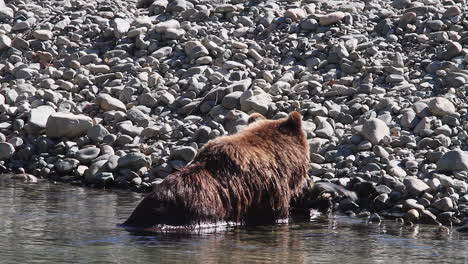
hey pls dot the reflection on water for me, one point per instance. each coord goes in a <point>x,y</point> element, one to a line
<point>55,223</point>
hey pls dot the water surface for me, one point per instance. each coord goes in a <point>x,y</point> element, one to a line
<point>58,223</point>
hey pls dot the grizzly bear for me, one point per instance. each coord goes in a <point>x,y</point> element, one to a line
<point>247,178</point>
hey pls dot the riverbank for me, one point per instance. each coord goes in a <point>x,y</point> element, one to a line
<point>122,93</point>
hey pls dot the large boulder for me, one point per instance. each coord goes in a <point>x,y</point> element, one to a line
<point>67,125</point>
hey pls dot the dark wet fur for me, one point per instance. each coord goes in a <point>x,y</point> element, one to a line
<point>247,178</point>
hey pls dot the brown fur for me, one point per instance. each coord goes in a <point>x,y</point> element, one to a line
<point>248,178</point>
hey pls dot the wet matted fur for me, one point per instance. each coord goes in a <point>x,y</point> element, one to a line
<point>246,178</point>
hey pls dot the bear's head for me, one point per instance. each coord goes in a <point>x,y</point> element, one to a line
<point>290,126</point>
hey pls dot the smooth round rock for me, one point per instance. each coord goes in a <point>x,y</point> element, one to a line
<point>6,150</point>
<point>87,154</point>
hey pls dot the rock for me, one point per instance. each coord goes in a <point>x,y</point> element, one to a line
<point>231,100</point>
<point>167,25</point>
<point>103,178</point>
<point>441,106</point>
<point>66,166</point>
<point>5,42</point>
<point>183,153</point>
<point>324,129</point>
<point>90,173</point>
<point>444,204</point>
<point>6,13</point>
<point>258,103</point>
<point>412,216</point>
<point>133,161</point>
<point>452,11</point>
<point>331,18</point>
<point>24,177</point>
<point>409,204</point>
<point>309,24</point>
<point>6,150</point>
<point>375,130</point>
<point>455,160</point>
<point>415,186</point>
<point>109,103</point>
<point>97,133</point>
<point>295,14</point>
<point>67,125</point>
<point>38,119</point>
<point>42,34</point>
<point>452,49</point>
<point>138,117</point>
<point>86,155</point>
<point>121,27</point>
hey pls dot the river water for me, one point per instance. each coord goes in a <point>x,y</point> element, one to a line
<point>56,223</point>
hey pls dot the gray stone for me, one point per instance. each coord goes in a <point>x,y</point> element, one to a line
<point>184,153</point>
<point>409,204</point>
<point>131,130</point>
<point>415,186</point>
<point>103,178</point>
<point>112,162</point>
<point>455,160</point>
<point>309,24</point>
<point>324,128</point>
<point>138,117</point>
<point>42,34</point>
<point>444,204</point>
<point>441,106</point>
<point>375,130</point>
<point>108,103</point>
<point>6,13</point>
<point>195,49</point>
<point>6,150</point>
<point>121,27</point>
<point>258,103</point>
<point>231,100</point>
<point>86,155</point>
<point>452,11</point>
<point>452,49</point>
<point>66,166</point>
<point>97,133</point>
<point>67,125</point>
<point>167,25</point>
<point>90,173</point>
<point>5,42</point>
<point>38,118</point>
<point>331,18</point>
<point>133,161</point>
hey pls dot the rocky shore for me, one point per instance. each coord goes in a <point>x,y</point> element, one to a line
<point>122,93</point>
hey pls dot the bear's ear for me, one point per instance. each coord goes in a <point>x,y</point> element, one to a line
<point>293,122</point>
<point>255,117</point>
